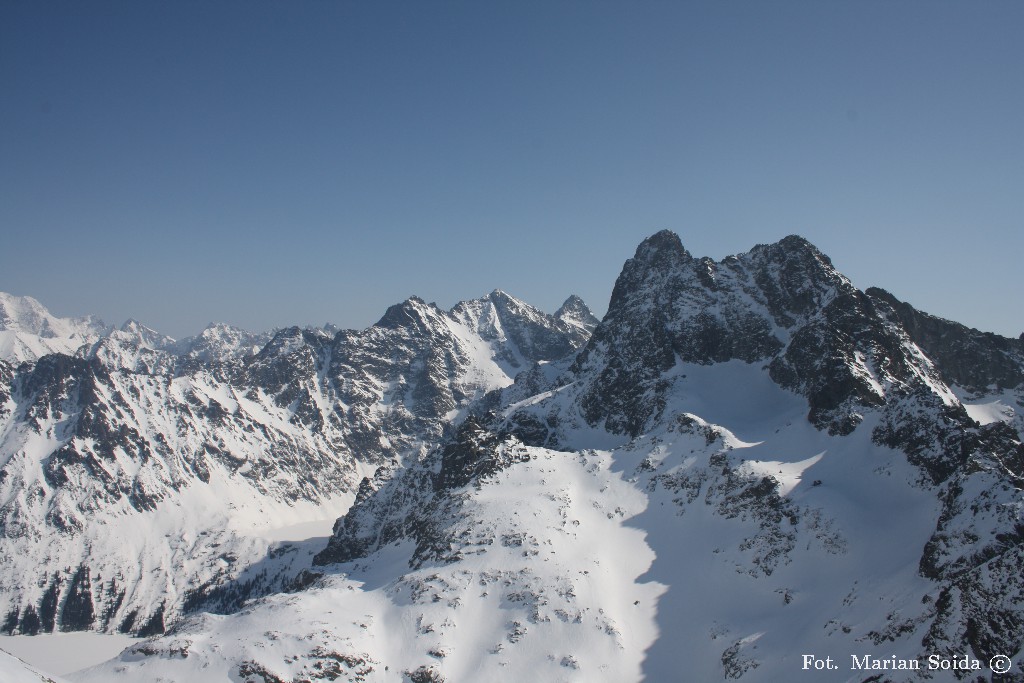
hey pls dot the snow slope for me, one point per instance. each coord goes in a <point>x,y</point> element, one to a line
<point>14,670</point>
<point>671,555</point>
<point>64,653</point>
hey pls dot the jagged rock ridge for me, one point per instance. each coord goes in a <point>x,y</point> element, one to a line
<point>750,460</point>
<point>136,474</point>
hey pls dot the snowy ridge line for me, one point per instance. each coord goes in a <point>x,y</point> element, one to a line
<point>749,460</point>
<point>136,484</point>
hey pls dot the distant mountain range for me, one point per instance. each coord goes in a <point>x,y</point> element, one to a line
<point>744,463</point>
<point>137,470</point>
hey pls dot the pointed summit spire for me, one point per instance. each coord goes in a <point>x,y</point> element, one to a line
<point>574,311</point>
<point>662,252</point>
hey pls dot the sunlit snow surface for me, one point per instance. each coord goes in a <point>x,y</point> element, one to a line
<point>994,405</point>
<point>594,564</point>
<point>301,531</point>
<point>788,474</point>
<point>546,588</point>
<point>29,331</point>
<point>987,413</point>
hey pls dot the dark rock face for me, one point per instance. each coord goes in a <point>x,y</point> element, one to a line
<point>48,605</point>
<point>782,304</point>
<point>537,338</point>
<point>77,614</point>
<point>408,314</point>
<point>475,454</point>
<point>6,377</point>
<point>966,357</point>
<point>975,554</point>
<point>795,278</point>
<point>423,502</point>
<point>154,625</point>
<point>818,361</point>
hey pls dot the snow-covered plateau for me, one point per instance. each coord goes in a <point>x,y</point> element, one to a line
<point>750,469</point>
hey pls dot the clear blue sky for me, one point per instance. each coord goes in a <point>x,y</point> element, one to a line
<point>275,163</point>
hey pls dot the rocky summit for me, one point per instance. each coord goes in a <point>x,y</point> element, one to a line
<point>749,469</point>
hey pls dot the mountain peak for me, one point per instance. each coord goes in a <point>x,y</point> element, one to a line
<point>794,248</point>
<point>575,311</point>
<point>411,311</point>
<point>28,330</point>
<point>662,246</point>
<point>136,333</point>
<point>26,314</point>
<point>656,257</point>
<point>796,242</point>
<point>502,298</point>
<point>15,309</point>
<point>573,303</point>
<point>133,326</point>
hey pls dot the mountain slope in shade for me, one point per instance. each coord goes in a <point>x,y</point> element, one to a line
<point>751,460</point>
<point>140,479</point>
<point>985,370</point>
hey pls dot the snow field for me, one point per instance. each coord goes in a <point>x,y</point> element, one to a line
<point>64,653</point>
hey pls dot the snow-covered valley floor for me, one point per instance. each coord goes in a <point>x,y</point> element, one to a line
<point>63,653</point>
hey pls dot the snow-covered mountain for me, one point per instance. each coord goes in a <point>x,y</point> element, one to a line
<point>28,330</point>
<point>750,463</point>
<point>140,478</point>
<point>219,343</point>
